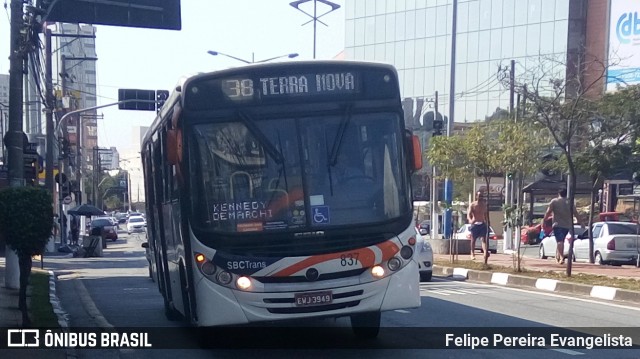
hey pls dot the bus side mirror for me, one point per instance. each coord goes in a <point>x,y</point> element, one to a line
<point>417,152</point>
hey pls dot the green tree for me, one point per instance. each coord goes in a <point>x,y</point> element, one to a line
<point>26,220</point>
<point>459,157</point>
<point>520,148</point>
<point>487,149</point>
<point>565,104</point>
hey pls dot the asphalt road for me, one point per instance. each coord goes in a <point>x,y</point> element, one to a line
<point>115,290</point>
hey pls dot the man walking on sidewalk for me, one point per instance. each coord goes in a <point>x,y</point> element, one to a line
<point>477,216</point>
<point>562,221</point>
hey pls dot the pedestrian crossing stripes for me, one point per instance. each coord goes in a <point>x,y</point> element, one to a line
<point>447,290</point>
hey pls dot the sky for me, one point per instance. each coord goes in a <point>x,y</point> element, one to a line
<point>153,59</point>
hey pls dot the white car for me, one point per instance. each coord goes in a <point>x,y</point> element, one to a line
<point>424,257</point>
<point>613,243</point>
<point>464,233</point>
<point>548,244</point>
<point>136,224</point>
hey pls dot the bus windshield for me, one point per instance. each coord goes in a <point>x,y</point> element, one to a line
<point>265,174</point>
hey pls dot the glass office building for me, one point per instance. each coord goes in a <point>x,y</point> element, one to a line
<point>415,36</point>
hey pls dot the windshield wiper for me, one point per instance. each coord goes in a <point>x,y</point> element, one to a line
<point>271,150</point>
<point>335,149</point>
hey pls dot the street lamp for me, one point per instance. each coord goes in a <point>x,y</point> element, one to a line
<point>216,53</point>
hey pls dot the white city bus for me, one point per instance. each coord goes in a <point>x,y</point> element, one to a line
<point>281,191</point>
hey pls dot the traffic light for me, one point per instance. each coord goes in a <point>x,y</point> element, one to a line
<point>161,97</point>
<point>438,126</point>
<point>64,148</point>
<point>65,189</point>
<point>142,100</point>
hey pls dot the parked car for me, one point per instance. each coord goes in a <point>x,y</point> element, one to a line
<point>108,230</point>
<point>613,243</point>
<point>465,233</point>
<point>424,257</point>
<point>121,217</point>
<point>532,235</point>
<point>136,224</point>
<point>548,244</point>
<point>425,227</point>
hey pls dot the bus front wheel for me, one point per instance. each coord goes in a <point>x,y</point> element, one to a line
<point>366,325</point>
<point>170,312</point>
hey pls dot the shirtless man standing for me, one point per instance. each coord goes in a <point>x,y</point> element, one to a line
<point>477,216</point>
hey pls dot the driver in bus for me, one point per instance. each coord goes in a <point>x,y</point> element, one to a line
<point>344,170</point>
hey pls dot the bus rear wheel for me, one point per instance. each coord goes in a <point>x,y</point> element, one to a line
<point>366,325</point>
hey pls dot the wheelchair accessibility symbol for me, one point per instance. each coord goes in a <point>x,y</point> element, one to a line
<point>321,215</point>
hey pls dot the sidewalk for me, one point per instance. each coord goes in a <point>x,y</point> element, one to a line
<point>11,318</point>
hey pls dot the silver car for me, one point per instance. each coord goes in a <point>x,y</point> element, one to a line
<point>548,244</point>
<point>613,243</point>
<point>424,257</point>
<point>465,233</point>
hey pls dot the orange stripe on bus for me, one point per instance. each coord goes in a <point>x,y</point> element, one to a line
<point>389,249</point>
<point>366,256</point>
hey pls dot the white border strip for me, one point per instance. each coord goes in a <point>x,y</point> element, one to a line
<point>63,317</point>
<point>603,292</point>
<point>546,284</point>
<point>461,272</point>
<point>500,278</point>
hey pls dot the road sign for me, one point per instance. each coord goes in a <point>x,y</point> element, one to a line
<point>67,200</point>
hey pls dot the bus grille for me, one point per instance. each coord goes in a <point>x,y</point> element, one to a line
<point>315,309</point>
<point>299,279</point>
<point>335,296</point>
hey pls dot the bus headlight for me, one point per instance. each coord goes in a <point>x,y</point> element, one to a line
<point>377,271</point>
<point>224,277</point>
<point>208,268</point>
<point>394,264</point>
<point>243,283</point>
<point>406,252</point>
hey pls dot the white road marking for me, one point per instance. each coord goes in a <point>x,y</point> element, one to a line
<point>447,290</point>
<point>402,311</point>
<point>610,304</point>
<point>567,351</point>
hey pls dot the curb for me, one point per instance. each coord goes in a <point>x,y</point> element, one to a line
<point>541,284</point>
<point>63,316</point>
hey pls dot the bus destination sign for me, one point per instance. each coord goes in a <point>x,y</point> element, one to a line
<point>318,84</point>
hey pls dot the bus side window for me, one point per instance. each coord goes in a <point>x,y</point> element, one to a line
<point>156,152</point>
<point>166,193</point>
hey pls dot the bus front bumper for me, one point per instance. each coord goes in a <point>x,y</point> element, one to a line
<point>219,305</point>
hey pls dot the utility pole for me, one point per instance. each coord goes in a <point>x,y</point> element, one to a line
<point>50,107</point>
<point>15,136</point>
<point>507,244</point>
<point>434,185</point>
<point>448,184</point>
<point>95,176</point>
